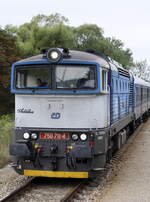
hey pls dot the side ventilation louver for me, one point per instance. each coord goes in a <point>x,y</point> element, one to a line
<point>123,72</point>
<point>131,97</point>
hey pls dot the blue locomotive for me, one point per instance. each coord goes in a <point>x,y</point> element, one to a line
<point>72,110</point>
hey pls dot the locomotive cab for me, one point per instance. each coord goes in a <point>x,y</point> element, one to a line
<point>62,107</point>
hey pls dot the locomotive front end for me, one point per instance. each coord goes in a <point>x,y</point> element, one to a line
<point>61,114</point>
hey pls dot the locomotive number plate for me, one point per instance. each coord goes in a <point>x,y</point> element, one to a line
<point>54,136</point>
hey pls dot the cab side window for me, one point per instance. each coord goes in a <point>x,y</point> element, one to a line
<point>104,80</point>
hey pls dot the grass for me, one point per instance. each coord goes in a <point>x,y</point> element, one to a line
<point>6,125</point>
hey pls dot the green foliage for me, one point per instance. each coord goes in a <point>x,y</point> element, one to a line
<point>44,20</point>
<point>56,36</point>
<point>42,32</point>
<point>87,36</point>
<point>114,48</point>
<point>6,124</point>
<point>53,31</point>
<point>8,54</point>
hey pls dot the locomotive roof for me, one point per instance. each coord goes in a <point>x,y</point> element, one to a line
<point>75,55</point>
<point>83,56</point>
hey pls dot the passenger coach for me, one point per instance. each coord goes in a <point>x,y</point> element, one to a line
<point>73,109</point>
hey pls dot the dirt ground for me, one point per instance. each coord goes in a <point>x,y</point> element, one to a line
<point>132,183</point>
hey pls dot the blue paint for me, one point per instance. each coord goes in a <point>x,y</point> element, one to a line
<point>120,92</point>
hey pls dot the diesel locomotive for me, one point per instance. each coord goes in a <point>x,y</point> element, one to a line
<point>73,109</point>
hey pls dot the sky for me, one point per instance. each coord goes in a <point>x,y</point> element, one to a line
<point>127,20</point>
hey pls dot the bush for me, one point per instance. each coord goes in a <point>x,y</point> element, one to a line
<point>6,125</point>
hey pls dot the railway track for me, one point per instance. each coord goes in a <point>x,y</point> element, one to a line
<point>12,193</point>
<point>70,195</point>
<point>45,189</point>
<point>60,190</point>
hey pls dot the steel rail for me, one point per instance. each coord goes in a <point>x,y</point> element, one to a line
<point>16,191</point>
<point>72,192</point>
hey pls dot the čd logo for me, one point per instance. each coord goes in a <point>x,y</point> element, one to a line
<point>55,115</point>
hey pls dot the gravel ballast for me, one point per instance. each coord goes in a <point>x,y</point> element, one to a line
<point>132,183</point>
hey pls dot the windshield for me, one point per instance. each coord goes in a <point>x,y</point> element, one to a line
<point>56,77</point>
<point>33,77</point>
<point>79,77</point>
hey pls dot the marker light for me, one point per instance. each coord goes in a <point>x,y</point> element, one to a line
<point>34,136</point>
<point>74,137</point>
<point>83,136</point>
<point>26,136</point>
<point>54,54</point>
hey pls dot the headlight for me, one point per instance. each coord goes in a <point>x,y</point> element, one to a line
<point>34,136</point>
<point>54,54</point>
<point>26,136</point>
<point>75,137</point>
<point>83,136</point>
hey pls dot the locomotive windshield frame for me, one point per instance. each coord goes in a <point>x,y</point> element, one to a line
<point>53,87</point>
<point>56,77</point>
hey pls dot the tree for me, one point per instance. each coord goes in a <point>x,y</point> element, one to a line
<point>43,31</point>
<point>51,20</point>
<point>8,54</point>
<point>87,36</point>
<point>53,31</point>
<point>57,36</point>
<point>142,70</point>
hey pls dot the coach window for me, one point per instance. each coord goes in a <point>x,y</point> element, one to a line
<point>104,80</point>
